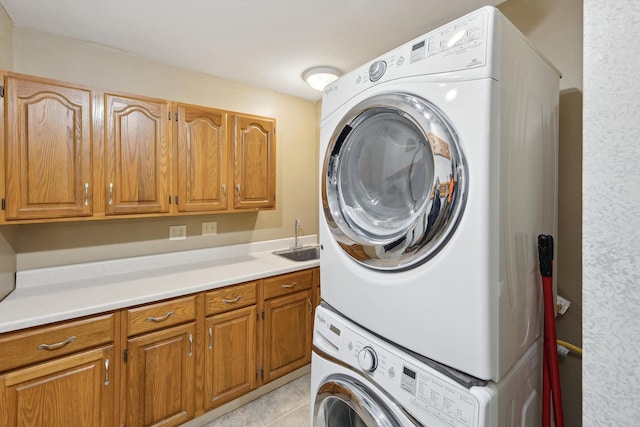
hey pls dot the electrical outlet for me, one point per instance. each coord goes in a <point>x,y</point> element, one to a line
<point>177,232</point>
<point>209,228</point>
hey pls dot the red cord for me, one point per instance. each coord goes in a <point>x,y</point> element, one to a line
<point>551,352</point>
<point>546,389</point>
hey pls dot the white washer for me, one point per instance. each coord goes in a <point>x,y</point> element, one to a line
<point>358,379</point>
<point>438,173</point>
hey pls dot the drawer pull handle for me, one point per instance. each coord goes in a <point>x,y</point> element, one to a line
<point>160,318</point>
<point>290,285</point>
<point>224,193</point>
<point>106,369</point>
<point>190,344</point>
<point>210,338</point>
<point>110,193</point>
<point>231,301</point>
<point>56,345</point>
<point>310,305</point>
<point>238,193</point>
<point>86,194</point>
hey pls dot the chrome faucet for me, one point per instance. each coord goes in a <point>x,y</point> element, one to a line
<point>296,229</point>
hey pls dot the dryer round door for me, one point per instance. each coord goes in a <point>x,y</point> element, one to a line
<point>342,401</point>
<point>394,181</point>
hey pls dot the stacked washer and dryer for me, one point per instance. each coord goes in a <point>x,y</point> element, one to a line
<point>439,170</point>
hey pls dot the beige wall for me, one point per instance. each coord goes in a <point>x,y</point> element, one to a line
<point>40,245</point>
<point>6,41</point>
<point>555,28</point>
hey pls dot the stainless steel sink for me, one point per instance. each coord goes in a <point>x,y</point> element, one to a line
<point>304,253</point>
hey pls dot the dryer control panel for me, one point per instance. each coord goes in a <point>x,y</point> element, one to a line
<point>429,396</point>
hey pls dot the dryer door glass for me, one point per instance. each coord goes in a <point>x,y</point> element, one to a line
<point>345,402</point>
<point>393,181</point>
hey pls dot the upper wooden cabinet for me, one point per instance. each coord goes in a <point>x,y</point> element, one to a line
<point>201,166</point>
<point>74,152</point>
<point>49,131</point>
<point>254,161</point>
<point>137,131</point>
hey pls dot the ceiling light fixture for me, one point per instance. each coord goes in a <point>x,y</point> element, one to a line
<point>319,77</point>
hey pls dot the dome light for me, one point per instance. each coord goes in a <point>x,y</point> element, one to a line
<point>319,77</point>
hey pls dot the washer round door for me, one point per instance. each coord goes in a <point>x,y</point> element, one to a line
<point>342,401</point>
<point>394,181</point>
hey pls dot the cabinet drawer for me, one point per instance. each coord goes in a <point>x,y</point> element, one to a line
<point>231,297</point>
<point>287,283</point>
<point>161,315</point>
<point>48,342</point>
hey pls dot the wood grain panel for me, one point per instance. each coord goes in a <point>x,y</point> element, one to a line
<point>48,148</point>
<point>289,283</point>
<point>160,377</point>
<point>231,297</point>
<point>230,369</point>
<point>73,391</point>
<point>21,348</point>
<point>201,167</point>
<point>160,315</point>
<point>137,154</point>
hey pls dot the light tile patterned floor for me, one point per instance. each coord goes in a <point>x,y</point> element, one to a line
<point>287,406</point>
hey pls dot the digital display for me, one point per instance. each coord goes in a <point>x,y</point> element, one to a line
<point>334,330</point>
<point>408,372</point>
<point>418,46</point>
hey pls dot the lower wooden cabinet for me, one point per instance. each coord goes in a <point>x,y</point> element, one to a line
<point>75,390</point>
<point>230,356</point>
<point>159,364</point>
<point>287,313</point>
<point>160,377</point>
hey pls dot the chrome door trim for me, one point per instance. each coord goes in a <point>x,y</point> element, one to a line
<point>370,401</point>
<point>439,214</point>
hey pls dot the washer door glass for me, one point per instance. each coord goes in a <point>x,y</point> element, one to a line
<point>393,183</point>
<point>345,402</point>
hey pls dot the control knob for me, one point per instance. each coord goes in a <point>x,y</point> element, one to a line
<point>368,359</point>
<point>376,70</point>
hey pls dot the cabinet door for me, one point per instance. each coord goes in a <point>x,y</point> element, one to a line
<point>137,131</point>
<point>48,149</point>
<point>202,159</point>
<point>160,377</point>
<point>76,390</point>
<point>254,154</point>
<point>230,356</point>
<point>287,334</point>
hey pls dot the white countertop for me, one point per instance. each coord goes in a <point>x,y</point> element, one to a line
<point>60,293</point>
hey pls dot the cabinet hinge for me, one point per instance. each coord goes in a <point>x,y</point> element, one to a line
<point>126,354</point>
<point>1,91</point>
<point>4,204</point>
<point>262,314</point>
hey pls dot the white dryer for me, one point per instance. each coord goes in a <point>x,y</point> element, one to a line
<point>438,172</point>
<point>358,379</point>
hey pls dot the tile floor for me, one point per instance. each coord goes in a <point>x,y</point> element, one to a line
<point>287,406</point>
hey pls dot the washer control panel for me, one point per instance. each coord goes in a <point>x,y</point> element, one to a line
<point>460,45</point>
<point>431,397</point>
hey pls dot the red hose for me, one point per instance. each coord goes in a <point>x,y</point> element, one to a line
<point>551,350</point>
<point>550,367</point>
